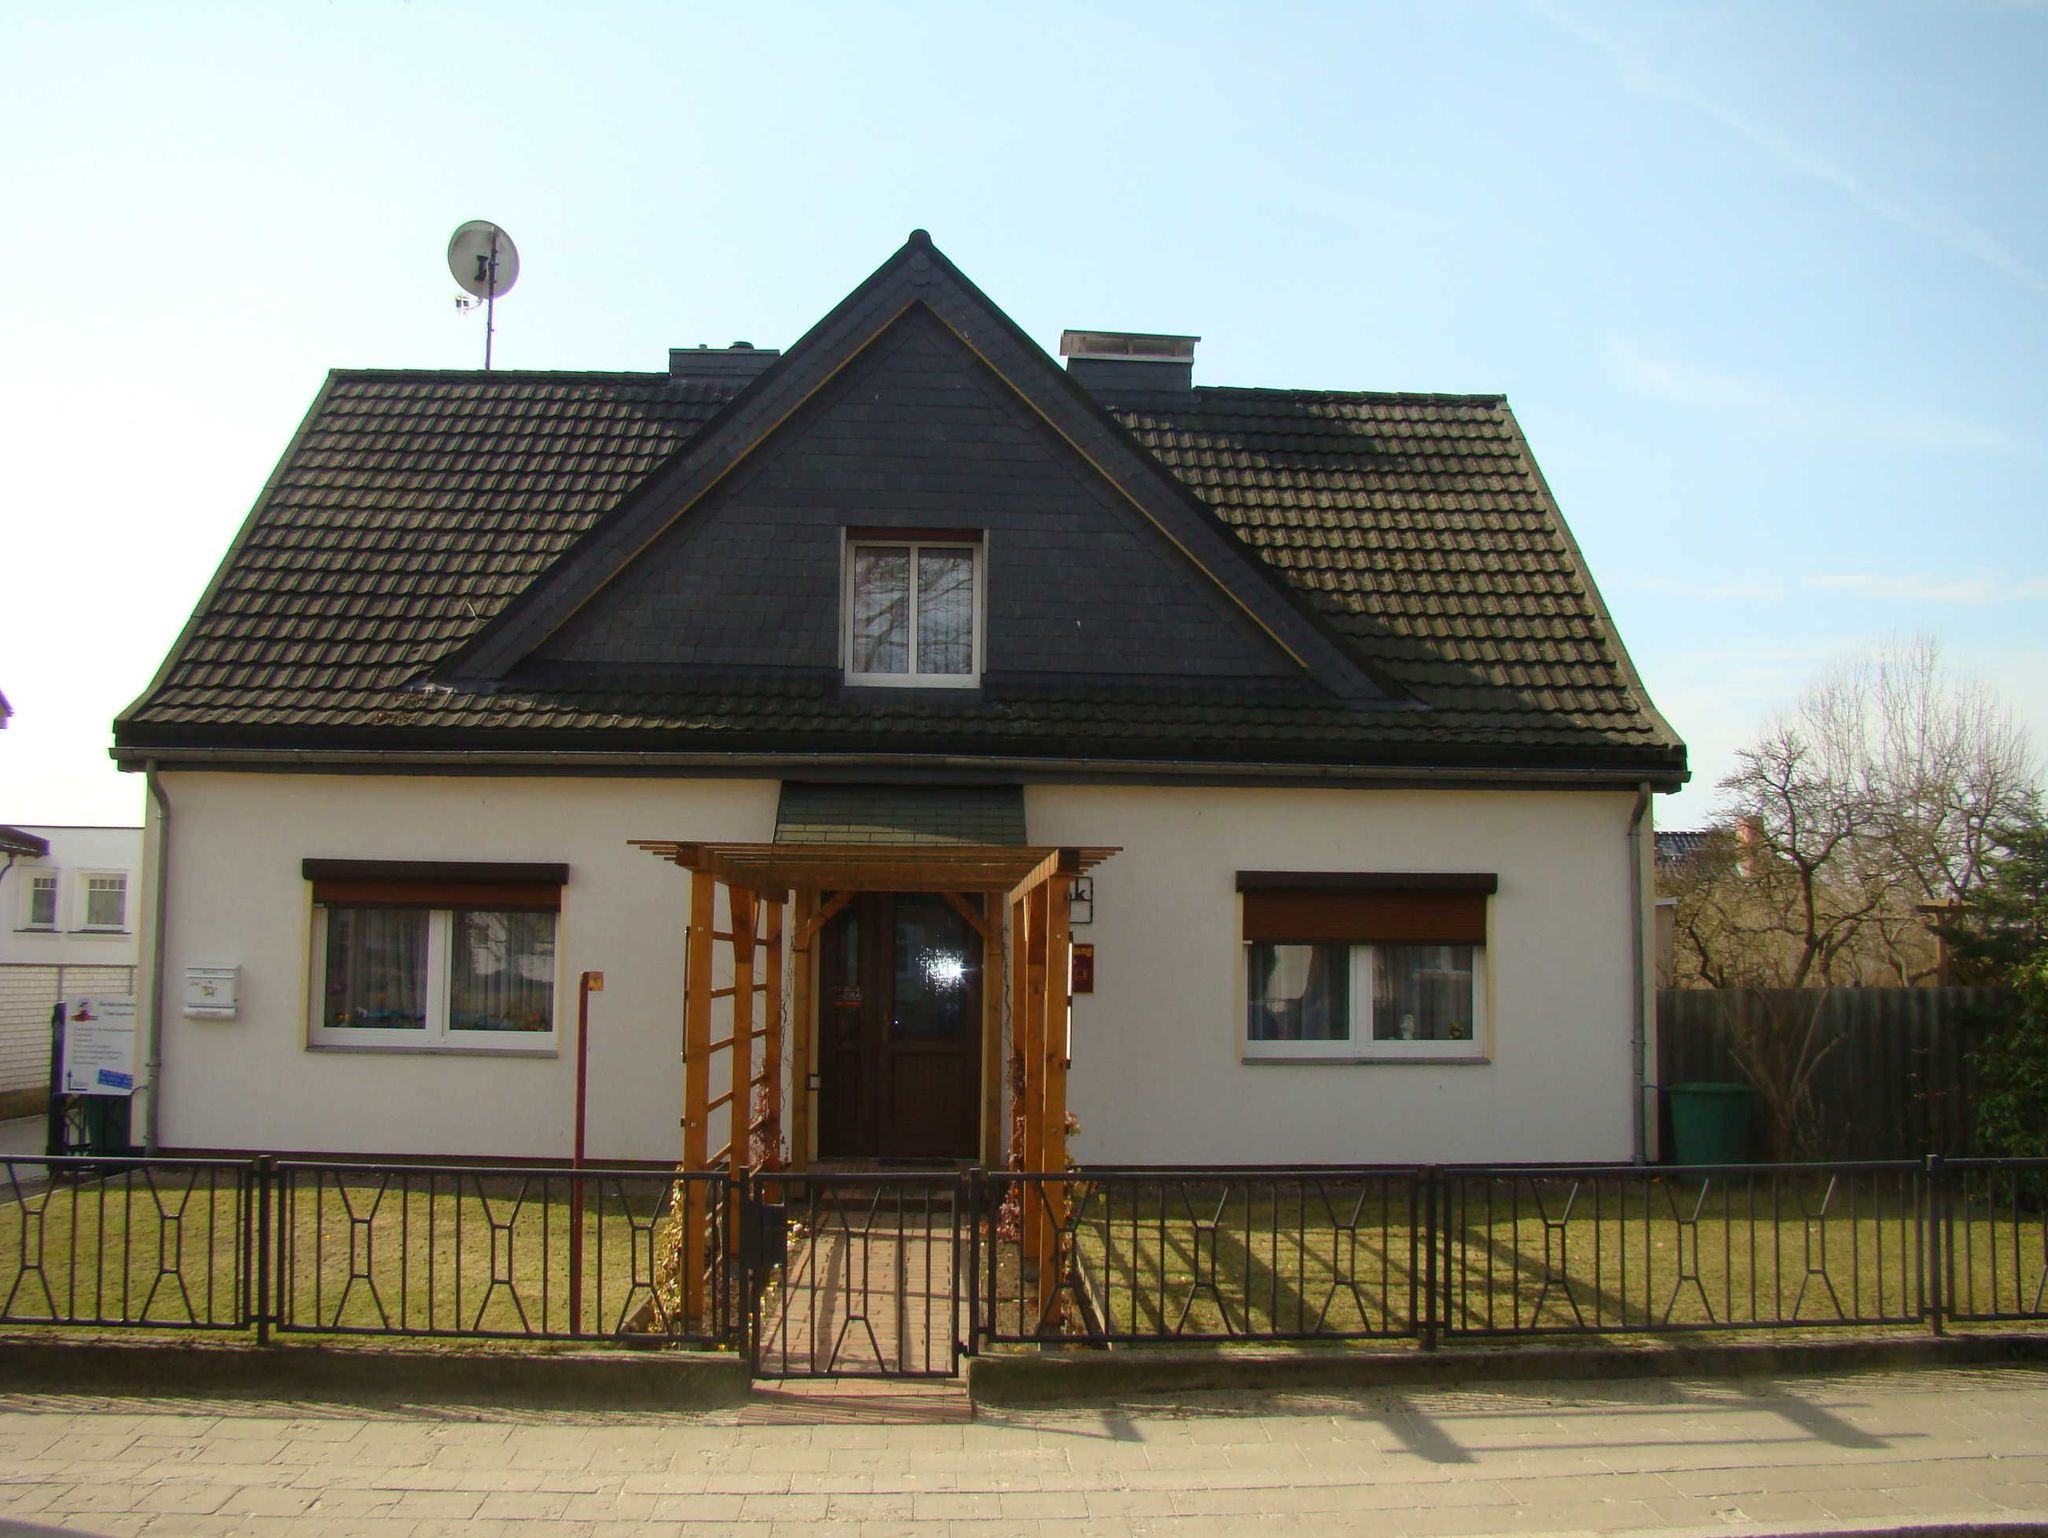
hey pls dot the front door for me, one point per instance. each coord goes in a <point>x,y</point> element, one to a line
<point>899,1030</point>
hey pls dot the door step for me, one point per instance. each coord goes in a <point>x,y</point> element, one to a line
<point>858,1401</point>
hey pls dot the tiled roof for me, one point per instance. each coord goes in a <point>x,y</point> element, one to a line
<point>1678,845</point>
<point>411,507</point>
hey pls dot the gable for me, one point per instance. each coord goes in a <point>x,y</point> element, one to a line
<point>915,434</point>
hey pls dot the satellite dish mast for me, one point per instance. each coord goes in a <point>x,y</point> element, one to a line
<point>485,264</point>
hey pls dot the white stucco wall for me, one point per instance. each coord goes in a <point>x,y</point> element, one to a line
<point>1158,1072</point>
<point>75,854</point>
<point>1158,1075</point>
<point>237,897</point>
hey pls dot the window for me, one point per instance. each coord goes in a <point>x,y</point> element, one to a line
<point>42,899</point>
<point>913,612</point>
<point>1370,966</point>
<point>106,902</point>
<point>452,964</point>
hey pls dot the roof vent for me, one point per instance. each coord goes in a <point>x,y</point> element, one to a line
<point>734,365</point>
<point>1123,362</point>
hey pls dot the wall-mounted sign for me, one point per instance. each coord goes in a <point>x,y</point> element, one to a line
<point>1083,978</point>
<point>99,1046</point>
<point>1081,907</point>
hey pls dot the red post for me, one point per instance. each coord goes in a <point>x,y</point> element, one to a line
<point>589,983</point>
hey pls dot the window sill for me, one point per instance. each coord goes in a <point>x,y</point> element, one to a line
<point>100,932</point>
<point>431,1049</point>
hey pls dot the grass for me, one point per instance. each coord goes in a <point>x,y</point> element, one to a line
<point>1336,1258</point>
<point>406,1252</point>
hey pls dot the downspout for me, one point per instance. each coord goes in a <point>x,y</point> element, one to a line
<point>1639,1031</point>
<point>152,1120</point>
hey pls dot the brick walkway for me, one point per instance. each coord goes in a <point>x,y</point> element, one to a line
<point>1873,1453</point>
<point>864,1292</point>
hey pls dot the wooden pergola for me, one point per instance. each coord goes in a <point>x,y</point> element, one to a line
<point>777,898</point>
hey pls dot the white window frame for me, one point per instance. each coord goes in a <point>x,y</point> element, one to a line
<point>28,901</point>
<point>1361,1046</point>
<point>912,679</point>
<point>81,888</point>
<point>436,1036</point>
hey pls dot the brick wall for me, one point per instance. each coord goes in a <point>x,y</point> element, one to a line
<point>27,992</point>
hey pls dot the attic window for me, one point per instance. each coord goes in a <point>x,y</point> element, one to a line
<point>913,611</point>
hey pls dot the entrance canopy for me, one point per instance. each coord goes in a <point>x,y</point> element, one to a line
<point>774,870</point>
<point>1015,895</point>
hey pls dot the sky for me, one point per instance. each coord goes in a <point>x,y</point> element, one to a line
<point>1766,284</point>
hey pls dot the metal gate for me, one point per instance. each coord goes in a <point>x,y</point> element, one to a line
<point>856,1275</point>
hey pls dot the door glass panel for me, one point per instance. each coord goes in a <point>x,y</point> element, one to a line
<point>938,962</point>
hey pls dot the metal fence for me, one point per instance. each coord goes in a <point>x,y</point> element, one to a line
<point>1132,1255</point>
<point>162,1243</point>
<point>502,1252</point>
<point>897,1274</point>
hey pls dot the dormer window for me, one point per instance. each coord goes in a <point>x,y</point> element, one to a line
<point>913,611</point>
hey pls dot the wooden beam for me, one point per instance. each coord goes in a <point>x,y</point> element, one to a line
<point>697,1083</point>
<point>970,911</point>
<point>1058,1005</point>
<point>1035,1229</point>
<point>802,1022</point>
<point>1020,1003</point>
<point>820,916</point>
<point>771,1054</point>
<point>743,916</point>
<point>994,981</point>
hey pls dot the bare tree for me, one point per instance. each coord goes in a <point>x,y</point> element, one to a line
<point>1881,792</point>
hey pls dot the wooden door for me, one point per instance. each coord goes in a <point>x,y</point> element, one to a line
<point>899,1030</point>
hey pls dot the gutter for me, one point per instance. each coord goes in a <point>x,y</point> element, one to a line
<point>152,1114</point>
<point>843,766</point>
<point>1639,1026</point>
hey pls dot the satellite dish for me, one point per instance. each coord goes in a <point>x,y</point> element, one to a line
<point>483,259</point>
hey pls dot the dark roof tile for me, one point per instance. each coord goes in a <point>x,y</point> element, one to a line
<point>414,505</point>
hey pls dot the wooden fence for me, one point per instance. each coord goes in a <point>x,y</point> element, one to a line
<point>1895,1079</point>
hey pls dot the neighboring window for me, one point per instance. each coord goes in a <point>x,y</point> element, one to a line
<point>42,900</point>
<point>1369,966</point>
<point>424,964</point>
<point>106,902</point>
<point>913,612</point>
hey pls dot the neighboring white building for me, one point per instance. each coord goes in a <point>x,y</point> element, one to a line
<point>925,660</point>
<point>69,924</point>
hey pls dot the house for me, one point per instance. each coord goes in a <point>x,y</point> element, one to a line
<point>844,706</point>
<point>68,927</point>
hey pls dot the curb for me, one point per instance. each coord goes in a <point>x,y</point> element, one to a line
<point>1063,1377</point>
<point>663,1380</point>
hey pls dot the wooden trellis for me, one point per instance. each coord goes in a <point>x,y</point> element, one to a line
<point>1031,887</point>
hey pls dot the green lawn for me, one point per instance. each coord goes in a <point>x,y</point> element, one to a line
<point>405,1252</point>
<point>1335,1258</point>
<point>487,1253</point>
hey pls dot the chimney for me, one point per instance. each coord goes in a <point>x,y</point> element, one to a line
<point>734,366</point>
<point>1112,363</point>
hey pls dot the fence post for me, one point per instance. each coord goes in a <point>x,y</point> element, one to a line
<point>1429,1317</point>
<point>974,1178</point>
<point>1934,1217</point>
<point>260,1184</point>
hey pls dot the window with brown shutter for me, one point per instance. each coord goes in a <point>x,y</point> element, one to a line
<point>1365,965</point>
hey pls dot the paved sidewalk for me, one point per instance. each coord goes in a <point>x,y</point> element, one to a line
<point>1817,1455</point>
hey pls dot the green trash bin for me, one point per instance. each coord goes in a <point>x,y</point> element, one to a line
<point>1710,1123</point>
